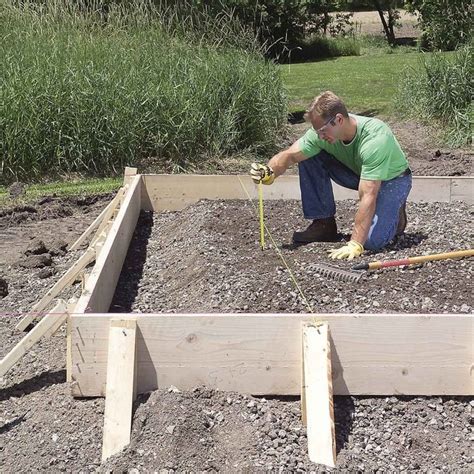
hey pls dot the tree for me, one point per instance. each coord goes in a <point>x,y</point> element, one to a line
<point>445,24</point>
<point>383,7</point>
<point>392,21</point>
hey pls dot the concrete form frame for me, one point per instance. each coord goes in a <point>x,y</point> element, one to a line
<point>379,354</point>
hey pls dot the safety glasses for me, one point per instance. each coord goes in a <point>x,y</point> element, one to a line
<point>326,124</point>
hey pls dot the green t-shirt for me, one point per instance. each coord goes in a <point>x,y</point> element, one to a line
<point>374,153</point>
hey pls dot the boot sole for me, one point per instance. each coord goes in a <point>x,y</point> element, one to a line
<point>337,238</point>
<point>402,222</point>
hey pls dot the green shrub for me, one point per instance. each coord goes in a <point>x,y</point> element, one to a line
<point>441,89</point>
<point>319,47</point>
<point>86,95</point>
<point>281,26</point>
<point>445,24</point>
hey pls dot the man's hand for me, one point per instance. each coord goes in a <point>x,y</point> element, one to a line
<point>261,173</point>
<point>351,250</point>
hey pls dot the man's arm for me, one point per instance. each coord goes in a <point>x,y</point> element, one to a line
<point>368,191</point>
<point>283,160</point>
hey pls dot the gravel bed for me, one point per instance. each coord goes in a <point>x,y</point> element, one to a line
<point>206,258</point>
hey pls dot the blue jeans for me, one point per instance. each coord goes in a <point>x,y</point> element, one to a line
<point>318,198</point>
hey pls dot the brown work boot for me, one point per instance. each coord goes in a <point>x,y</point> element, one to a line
<point>402,220</point>
<point>320,230</point>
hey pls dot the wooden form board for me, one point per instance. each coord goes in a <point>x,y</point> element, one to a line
<point>174,192</point>
<point>261,354</point>
<point>100,286</point>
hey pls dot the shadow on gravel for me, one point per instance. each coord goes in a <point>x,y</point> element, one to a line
<point>343,415</point>
<point>343,405</point>
<point>343,418</point>
<point>9,425</point>
<point>34,384</point>
<point>132,270</point>
<point>407,241</point>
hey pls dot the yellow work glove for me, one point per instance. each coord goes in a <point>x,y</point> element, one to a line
<point>351,250</point>
<point>261,173</point>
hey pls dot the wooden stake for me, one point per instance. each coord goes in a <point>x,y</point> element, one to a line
<point>128,174</point>
<point>47,326</point>
<point>120,388</point>
<point>101,220</point>
<point>318,395</point>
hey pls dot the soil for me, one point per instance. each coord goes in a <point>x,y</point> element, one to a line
<point>51,219</point>
<point>42,428</point>
<point>369,23</point>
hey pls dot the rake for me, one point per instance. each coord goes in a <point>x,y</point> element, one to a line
<point>413,260</point>
<point>338,274</point>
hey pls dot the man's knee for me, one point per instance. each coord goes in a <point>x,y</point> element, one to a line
<point>377,242</point>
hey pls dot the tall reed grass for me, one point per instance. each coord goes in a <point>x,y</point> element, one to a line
<point>89,90</point>
<point>441,90</point>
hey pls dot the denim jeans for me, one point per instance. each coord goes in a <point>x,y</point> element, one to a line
<point>318,198</point>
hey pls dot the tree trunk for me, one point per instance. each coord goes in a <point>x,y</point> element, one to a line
<point>388,29</point>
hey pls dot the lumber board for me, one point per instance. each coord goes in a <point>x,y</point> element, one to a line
<point>128,174</point>
<point>462,189</point>
<point>319,408</point>
<point>67,279</point>
<point>100,221</point>
<point>120,390</point>
<point>430,188</point>
<point>46,326</point>
<point>261,354</point>
<point>175,192</point>
<point>100,286</point>
<point>68,351</point>
<point>109,215</point>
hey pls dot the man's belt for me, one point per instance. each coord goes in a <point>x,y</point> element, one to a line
<point>407,172</point>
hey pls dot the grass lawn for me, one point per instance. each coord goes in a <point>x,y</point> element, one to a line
<point>366,83</point>
<point>63,188</point>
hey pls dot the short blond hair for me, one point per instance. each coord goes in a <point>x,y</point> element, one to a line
<point>326,105</point>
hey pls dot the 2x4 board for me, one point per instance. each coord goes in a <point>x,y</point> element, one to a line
<point>261,353</point>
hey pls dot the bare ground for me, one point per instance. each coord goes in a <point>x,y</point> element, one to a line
<point>369,23</point>
<point>43,429</point>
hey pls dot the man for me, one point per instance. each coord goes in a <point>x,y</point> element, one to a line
<point>355,152</point>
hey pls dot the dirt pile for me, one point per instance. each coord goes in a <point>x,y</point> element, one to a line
<point>48,208</point>
<point>214,431</point>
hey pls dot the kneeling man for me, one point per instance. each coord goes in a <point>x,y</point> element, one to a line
<point>355,152</point>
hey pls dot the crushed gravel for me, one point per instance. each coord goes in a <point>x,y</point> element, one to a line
<point>207,258</point>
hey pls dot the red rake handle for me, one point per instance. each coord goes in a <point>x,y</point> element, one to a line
<point>414,260</point>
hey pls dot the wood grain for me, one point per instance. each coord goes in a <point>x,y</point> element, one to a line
<point>261,354</point>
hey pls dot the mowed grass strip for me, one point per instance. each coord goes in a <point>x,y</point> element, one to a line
<point>66,188</point>
<point>367,84</point>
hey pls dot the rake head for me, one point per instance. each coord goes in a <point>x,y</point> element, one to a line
<point>338,274</point>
